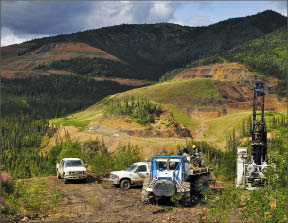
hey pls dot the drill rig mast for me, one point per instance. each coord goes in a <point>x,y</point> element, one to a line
<point>250,174</point>
<point>259,133</point>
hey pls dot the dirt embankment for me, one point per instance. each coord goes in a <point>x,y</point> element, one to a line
<point>235,87</point>
<point>241,97</point>
<point>234,98</point>
<point>72,48</point>
<point>225,71</point>
<point>164,127</point>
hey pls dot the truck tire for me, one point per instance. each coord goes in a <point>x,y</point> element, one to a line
<point>65,181</point>
<point>146,196</point>
<point>199,185</point>
<point>125,184</point>
<point>58,175</point>
<point>186,199</point>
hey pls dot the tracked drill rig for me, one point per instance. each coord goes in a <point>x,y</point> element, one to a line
<point>250,174</point>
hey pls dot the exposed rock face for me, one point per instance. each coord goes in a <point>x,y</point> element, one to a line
<point>225,71</point>
<point>205,113</point>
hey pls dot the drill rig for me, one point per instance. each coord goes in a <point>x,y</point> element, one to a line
<point>250,174</point>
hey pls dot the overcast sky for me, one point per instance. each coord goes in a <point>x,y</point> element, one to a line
<point>26,20</point>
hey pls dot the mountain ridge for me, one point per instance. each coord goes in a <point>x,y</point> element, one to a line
<point>153,49</point>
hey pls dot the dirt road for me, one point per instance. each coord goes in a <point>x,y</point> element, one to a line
<point>103,202</point>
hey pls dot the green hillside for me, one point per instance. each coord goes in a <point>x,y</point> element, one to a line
<point>266,55</point>
<point>179,92</point>
<point>173,96</point>
<point>153,49</point>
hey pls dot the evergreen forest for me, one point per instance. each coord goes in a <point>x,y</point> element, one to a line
<point>26,107</point>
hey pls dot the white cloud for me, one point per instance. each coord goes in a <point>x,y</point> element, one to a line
<point>114,13</point>
<point>199,21</point>
<point>27,20</point>
<point>108,14</point>
<point>8,37</point>
<point>161,11</point>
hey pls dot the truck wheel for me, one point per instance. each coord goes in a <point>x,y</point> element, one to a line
<point>125,184</point>
<point>186,199</point>
<point>58,175</point>
<point>65,181</point>
<point>199,185</point>
<point>146,196</point>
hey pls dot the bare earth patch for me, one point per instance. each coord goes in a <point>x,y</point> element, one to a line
<point>103,202</point>
<point>94,202</point>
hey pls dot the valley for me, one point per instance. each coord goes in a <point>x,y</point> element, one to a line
<point>121,94</point>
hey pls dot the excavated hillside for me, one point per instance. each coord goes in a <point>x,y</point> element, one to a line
<point>38,62</point>
<point>14,65</point>
<point>225,71</point>
<point>200,107</point>
<point>234,83</point>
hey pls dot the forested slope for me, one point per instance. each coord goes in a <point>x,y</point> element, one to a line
<point>153,49</point>
<point>266,55</point>
<point>26,107</point>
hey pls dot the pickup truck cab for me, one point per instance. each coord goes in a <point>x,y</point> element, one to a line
<point>134,175</point>
<point>71,169</point>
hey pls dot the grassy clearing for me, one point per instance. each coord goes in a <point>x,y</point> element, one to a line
<point>220,127</point>
<point>189,88</point>
<point>176,95</point>
<point>182,118</point>
<point>71,122</point>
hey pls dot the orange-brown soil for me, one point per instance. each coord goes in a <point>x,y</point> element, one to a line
<point>13,66</point>
<point>73,48</point>
<point>225,71</point>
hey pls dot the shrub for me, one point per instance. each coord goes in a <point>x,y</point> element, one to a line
<point>125,156</point>
<point>71,149</point>
<point>102,163</point>
<point>29,197</point>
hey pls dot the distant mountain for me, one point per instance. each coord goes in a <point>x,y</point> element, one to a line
<point>147,51</point>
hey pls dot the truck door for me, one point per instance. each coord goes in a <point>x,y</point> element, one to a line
<point>141,173</point>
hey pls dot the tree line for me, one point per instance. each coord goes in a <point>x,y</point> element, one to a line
<point>94,67</point>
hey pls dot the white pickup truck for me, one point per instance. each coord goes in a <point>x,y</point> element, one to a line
<point>71,169</point>
<point>134,175</point>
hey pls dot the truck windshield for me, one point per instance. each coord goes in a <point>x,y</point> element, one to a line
<point>162,165</point>
<point>70,163</point>
<point>132,167</point>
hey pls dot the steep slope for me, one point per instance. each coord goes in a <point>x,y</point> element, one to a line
<point>149,50</point>
<point>266,55</point>
<point>234,72</point>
